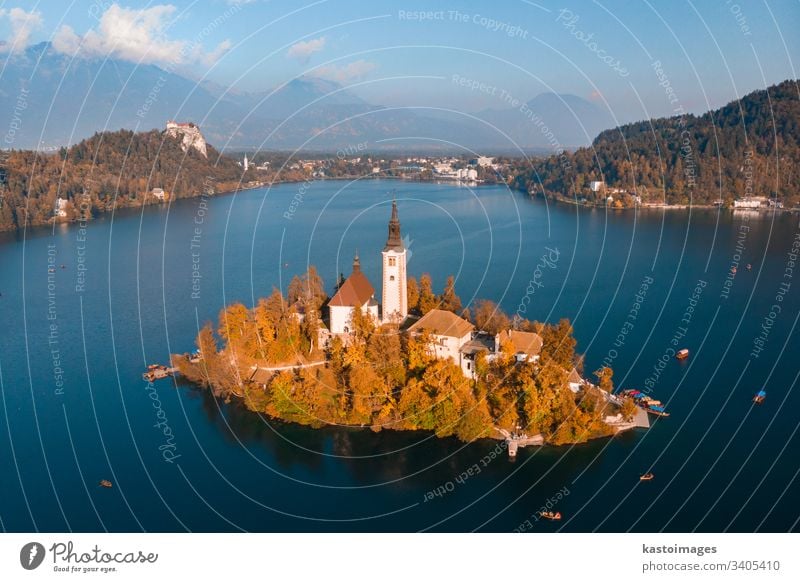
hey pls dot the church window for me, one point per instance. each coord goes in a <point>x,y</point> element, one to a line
<point>391,278</point>
<point>392,261</point>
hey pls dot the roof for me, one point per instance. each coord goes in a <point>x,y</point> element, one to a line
<point>524,341</point>
<point>357,290</point>
<point>441,322</point>
<point>478,344</point>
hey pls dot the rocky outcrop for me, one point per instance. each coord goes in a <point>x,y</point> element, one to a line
<point>189,134</point>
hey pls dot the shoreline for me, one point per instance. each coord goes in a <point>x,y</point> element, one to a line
<point>568,201</point>
<point>495,436</point>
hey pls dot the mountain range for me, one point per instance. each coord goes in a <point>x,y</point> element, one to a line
<point>50,99</point>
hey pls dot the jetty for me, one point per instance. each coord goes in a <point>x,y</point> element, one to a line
<point>158,371</point>
<point>516,441</point>
<point>619,424</point>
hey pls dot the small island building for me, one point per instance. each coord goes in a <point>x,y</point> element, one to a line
<point>449,333</point>
<point>355,292</point>
<point>527,345</point>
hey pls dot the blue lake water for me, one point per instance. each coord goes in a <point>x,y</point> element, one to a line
<point>75,342</point>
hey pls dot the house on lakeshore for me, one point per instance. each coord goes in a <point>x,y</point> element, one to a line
<point>356,291</point>
<point>61,207</point>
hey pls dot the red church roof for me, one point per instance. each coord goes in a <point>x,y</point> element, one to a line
<point>357,290</point>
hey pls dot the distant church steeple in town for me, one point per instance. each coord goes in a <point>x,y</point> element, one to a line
<point>394,300</point>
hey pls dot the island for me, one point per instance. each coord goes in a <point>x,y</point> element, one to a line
<point>416,361</point>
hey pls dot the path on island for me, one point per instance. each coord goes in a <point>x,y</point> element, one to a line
<point>289,367</point>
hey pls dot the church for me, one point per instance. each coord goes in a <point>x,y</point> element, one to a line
<point>357,291</point>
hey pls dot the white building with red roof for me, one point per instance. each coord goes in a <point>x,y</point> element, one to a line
<point>355,292</point>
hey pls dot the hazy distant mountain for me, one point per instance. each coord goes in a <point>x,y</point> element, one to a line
<point>572,120</point>
<point>52,99</point>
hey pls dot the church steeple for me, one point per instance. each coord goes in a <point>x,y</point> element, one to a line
<point>395,292</point>
<point>395,241</point>
<point>356,263</point>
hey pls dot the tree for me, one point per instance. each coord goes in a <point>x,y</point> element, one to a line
<point>361,324</point>
<point>449,301</point>
<point>412,294</point>
<point>308,290</point>
<point>427,300</point>
<point>559,343</point>
<point>628,409</point>
<point>604,376</point>
<point>489,317</point>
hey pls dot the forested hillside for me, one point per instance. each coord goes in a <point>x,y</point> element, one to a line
<point>749,147</point>
<point>109,169</point>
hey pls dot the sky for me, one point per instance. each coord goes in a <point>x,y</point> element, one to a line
<point>637,58</point>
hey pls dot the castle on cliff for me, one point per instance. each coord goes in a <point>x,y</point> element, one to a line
<point>189,134</point>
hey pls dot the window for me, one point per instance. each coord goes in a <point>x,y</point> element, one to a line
<point>391,278</point>
<point>392,261</point>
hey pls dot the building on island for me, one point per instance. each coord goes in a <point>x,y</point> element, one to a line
<point>394,299</point>
<point>596,185</point>
<point>355,292</point>
<point>526,344</point>
<point>159,194</point>
<point>451,337</point>
<point>574,381</point>
<point>448,332</point>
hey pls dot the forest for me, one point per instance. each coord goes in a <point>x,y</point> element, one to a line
<point>106,171</point>
<point>386,379</point>
<point>749,147</point>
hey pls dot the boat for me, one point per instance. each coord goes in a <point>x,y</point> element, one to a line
<point>760,396</point>
<point>682,354</point>
<point>106,483</point>
<point>657,410</point>
<point>552,516</point>
<point>646,477</point>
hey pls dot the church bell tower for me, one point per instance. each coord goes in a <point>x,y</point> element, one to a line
<point>395,299</point>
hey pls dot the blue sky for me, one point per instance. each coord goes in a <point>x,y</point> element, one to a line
<point>462,55</point>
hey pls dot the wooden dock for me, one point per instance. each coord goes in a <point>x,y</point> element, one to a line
<point>516,442</point>
<point>157,372</point>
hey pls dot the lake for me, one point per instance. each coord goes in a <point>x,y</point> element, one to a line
<point>137,285</point>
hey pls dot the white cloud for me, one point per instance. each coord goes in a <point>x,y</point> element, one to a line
<point>304,49</point>
<point>136,35</point>
<point>22,26</point>
<point>344,73</point>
